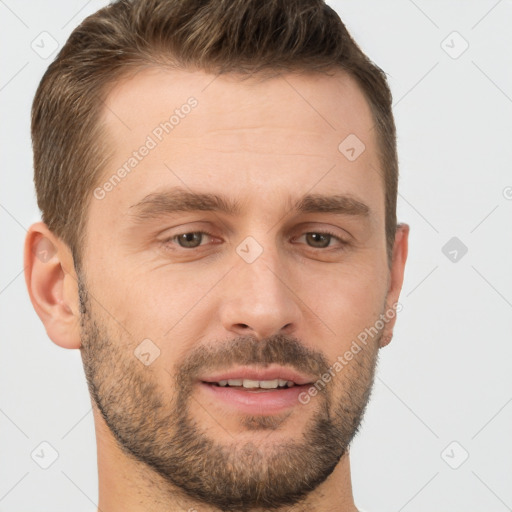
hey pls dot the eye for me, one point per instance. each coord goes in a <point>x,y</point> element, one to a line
<point>189,240</point>
<point>193,239</point>
<point>322,239</point>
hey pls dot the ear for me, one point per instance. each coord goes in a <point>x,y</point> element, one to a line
<point>52,285</point>
<point>396,279</point>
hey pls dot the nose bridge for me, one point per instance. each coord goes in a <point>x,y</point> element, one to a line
<point>261,269</point>
<point>258,298</point>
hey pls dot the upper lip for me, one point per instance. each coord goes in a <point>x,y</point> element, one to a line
<point>272,373</point>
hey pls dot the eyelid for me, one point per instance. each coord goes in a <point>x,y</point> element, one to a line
<point>170,239</point>
<point>342,241</point>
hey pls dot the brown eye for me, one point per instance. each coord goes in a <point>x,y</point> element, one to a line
<point>319,240</point>
<point>322,240</point>
<point>190,240</point>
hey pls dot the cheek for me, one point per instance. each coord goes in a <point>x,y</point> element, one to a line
<point>157,301</point>
<point>350,301</point>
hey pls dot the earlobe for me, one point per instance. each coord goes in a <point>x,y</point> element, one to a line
<point>386,339</point>
<point>396,279</point>
<point>52,286</point>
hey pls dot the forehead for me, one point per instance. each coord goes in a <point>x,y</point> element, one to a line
<point>281,136</point>
<point>327,105</point>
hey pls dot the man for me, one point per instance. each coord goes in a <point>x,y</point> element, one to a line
<point>218,186</point>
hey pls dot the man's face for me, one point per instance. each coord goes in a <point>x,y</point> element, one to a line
<point>168,311</point>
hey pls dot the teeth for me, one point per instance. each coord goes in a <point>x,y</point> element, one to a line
<point>268,384</point>
<point>253,384</point>
<point>247,383</point>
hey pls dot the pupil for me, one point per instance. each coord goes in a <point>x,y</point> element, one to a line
<point>188,238</point>
<point>318,236</point>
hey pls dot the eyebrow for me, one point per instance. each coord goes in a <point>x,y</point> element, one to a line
<point>158,204</point>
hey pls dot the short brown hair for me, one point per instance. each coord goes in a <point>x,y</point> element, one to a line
<point>217,36</point>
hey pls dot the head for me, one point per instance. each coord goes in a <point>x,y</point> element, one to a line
<point>218,185</point>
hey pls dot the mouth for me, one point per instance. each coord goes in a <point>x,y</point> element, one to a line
<point>254,385</point>
<point>257,391</point>
<point>246,377</point>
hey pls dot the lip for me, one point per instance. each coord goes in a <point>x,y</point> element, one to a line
<point>271,373</point>
<point>254,402</point>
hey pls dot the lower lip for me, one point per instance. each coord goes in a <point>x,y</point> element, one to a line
<point>256,402</point>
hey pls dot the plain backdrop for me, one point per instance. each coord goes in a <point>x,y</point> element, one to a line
<point>437,434</point>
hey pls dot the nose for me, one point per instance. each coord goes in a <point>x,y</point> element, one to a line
<point>258,299</point>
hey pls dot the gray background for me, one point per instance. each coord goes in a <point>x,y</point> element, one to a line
<point>444,385</point>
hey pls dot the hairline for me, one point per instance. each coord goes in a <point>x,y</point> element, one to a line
<point>130,69</point>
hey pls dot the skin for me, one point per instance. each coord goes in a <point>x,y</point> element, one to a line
<point>261,143</point>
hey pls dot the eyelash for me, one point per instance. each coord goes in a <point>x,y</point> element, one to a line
<point>167,241</point>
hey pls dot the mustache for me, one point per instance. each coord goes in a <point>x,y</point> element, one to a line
<point>248,350</point>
